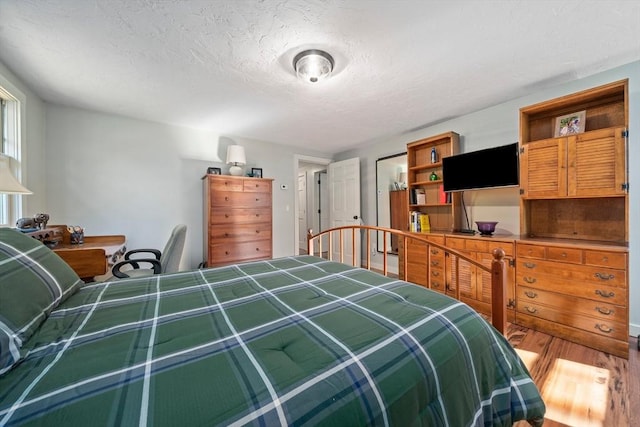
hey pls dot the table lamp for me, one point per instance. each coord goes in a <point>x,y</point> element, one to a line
<point>235,156</point>
<point>8,183</point>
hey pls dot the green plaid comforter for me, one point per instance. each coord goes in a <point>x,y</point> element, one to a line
<point>290,341</point>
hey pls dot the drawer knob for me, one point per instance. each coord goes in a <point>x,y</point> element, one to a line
<point>435,285</point>
<point>605,294</point>
<point>226,215</point>
<point>226,252</point>
<point>226,198</point>
<point>531,294</point>
<point>435,263</point>
<point>529,265</point>
<point>258,249</point>
<point>257,200</point>
<point>434,252</point>
<point>603,276</point>
<point>604,328</point>
<point>257,231</point>
<point>530,309</point>
<point>435,273</point>
<point>529,279</point>
<point>257,215</point>
<point>605,311</point>
<point>226,234</point>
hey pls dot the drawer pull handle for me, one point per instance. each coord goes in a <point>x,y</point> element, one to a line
<point>435,273</point>
<point>605,311</point>
<point>435,263</point>
<point>257,231</point>
<point>226,198</point>
<point>604,328</point>
<point>258,249</point>
<point>257,215</point>
<point>435,285</point>
<point>529,265</point>
<point>434,252</point>
<point>257,200</point>
<point>226,215</point>
<point>529,279</point>
<point>530,309</point>
<point>226,252</point>
<point>226,234</point>
<point>604,276</point>
<point>605,294</point>
<point>531,294</point>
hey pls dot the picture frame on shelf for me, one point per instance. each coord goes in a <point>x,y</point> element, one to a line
<point>570,124</point>
<point>214,171</point>
<point>256,172</point>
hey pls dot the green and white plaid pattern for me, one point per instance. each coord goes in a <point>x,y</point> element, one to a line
<point>291,341</point>
<point>33,281</point>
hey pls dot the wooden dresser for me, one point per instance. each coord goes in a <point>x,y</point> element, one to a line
<point>237,219</point>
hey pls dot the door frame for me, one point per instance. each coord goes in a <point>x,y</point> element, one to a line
<point>297,159</point>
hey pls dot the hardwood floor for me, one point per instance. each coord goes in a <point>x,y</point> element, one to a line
<point>580,386</point>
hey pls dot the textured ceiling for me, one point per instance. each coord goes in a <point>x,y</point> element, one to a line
<point>226,65</point>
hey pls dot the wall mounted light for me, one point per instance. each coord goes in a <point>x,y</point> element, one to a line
<point>8,183</point>
<point>236,157</point>
<point>313,65</point>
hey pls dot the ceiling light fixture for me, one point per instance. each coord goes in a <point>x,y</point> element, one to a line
<point>313,65</point>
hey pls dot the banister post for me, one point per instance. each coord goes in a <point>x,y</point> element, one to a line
<point>309,242</point>
<point>498,291</point>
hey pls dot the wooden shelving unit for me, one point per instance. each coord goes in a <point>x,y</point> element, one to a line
<point>443,209</point>
<point>565,180</point>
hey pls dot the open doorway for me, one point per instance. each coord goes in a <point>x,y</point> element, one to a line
<point>311,201</point>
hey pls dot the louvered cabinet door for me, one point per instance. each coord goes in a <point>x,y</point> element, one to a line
<point>543,170</point>
<point>596,163</point>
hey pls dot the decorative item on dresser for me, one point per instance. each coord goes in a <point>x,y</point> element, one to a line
<point>236,158</point>
<point>237,219</point>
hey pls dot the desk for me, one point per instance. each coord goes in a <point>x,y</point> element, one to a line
<point>92,258</point>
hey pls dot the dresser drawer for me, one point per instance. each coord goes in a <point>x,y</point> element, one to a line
<point>234,200</point>
<point>257,186</point>
<point>530,251</point>
<point>242,251</point>
<point>606,259</point>
<point>233,216</point>
<point>587,307</point>
<point>456,243</point>
<point>571,255</point>
<point>225,184</point>
<point>566,272</point>
<point>607,328</point>
<point>223,234</point>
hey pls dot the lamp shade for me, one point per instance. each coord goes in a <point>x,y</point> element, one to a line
<point>235,155</point>
<point>8,183</point>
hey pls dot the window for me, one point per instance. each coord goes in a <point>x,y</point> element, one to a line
<point>10,205</point>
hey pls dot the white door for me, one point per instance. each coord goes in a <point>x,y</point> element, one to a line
<point>344,205</point>
<point>302,212</point>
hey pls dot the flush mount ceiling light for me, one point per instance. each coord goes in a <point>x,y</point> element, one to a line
<point>313,65</point>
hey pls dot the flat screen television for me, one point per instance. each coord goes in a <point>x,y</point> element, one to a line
<point>488,168</point>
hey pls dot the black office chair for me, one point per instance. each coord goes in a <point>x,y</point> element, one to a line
<point>165,261</point>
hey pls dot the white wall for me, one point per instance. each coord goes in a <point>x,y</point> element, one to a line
<point>115,175</point>
<point>496,126</point>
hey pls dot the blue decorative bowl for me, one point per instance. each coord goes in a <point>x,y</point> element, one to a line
<point>486,228</point>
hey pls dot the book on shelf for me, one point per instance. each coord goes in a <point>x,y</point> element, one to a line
<point>442,195</point>
<point>419,196</point>
<point>419,222</point>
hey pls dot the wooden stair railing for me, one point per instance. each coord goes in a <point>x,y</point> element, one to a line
<point>496,270</point>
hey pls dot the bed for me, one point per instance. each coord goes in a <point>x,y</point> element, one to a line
<point>291,341</point>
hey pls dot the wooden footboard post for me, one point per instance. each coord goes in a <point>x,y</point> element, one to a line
<point>498,290</point>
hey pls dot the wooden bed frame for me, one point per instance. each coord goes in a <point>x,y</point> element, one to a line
<point>497,268</point>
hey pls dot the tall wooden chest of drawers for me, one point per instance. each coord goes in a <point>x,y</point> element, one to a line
<point>237,219</point>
